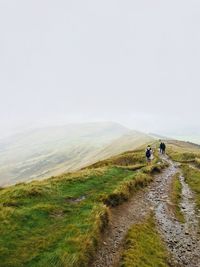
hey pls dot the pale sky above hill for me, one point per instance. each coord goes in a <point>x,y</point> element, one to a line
<point>134,62</point>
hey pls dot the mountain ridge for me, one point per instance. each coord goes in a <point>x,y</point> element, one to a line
<point>51,151</point>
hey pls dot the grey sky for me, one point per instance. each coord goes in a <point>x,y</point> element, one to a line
<point>135,62</point>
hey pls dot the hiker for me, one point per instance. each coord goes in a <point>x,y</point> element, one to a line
<point>163,148</point>
<point>149,154</point>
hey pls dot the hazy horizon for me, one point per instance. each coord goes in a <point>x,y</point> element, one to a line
<point>132,62</point>
<point>26,130</point>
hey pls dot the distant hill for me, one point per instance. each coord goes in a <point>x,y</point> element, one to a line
<point>194,138</point>
<point>183,146</point>
<point>158,136</point>
<point>51,151</point>
<point>129,141</point>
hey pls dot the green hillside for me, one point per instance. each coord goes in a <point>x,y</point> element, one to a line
<point>58,221</point>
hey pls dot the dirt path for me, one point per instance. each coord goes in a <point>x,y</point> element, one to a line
<point>181,239</point>
<point>122,218</point>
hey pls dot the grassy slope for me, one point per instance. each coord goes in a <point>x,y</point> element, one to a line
<point>182,151</point>
<point>176,197</point>
<point>197,162</point>
<point>192,177</point>
<point>57,222</point>
<point>144,247</point>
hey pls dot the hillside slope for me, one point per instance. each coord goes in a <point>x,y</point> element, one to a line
<point>55,150</point>
<point>52,150</point>
<point>58,221</point>
<point>128,141</point>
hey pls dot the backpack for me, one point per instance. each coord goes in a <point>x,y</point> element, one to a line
<point>148,153</point>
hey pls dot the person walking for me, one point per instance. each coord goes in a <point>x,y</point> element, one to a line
<point>163,148</point>
<point>149,154</point>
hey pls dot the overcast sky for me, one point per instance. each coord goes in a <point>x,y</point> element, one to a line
<point>134,62</point>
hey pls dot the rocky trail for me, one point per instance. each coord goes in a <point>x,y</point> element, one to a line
<point>182,239</point>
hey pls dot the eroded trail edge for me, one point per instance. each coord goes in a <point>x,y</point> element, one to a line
<point>182,240</point>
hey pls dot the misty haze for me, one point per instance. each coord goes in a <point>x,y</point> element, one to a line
<point>99,133</point>
<point>54,150</point>
<point>134,63</point>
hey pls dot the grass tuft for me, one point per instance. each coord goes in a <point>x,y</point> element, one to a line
<point>176,195</point>
<point>192,177</point>
<point>197,162</point>
<point>144,247</point>
<point>126,189</point>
